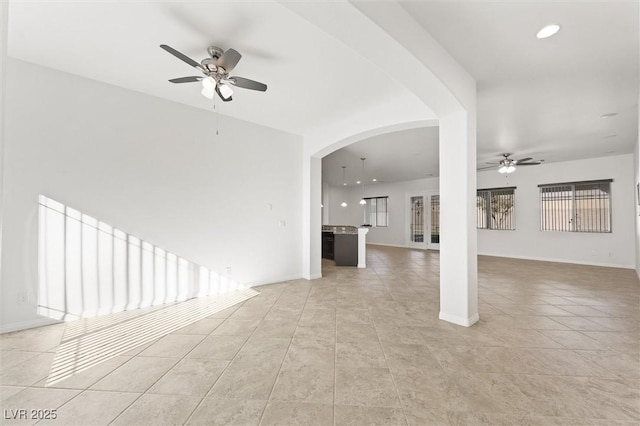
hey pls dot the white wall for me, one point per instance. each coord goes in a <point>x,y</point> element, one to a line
<point>527,241</point>
<point>636,173</point>
<point>636,181</point>
<point>154,169</point>
<point>4,21</point>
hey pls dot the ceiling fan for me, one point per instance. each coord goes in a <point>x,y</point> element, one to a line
<point>508,165</point>
<point>216,69</point>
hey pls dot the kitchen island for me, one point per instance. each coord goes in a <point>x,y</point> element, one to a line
<point>346,245</point>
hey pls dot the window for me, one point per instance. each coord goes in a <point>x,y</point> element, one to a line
<point>576,206</point>
<point>376,209</point>
<point>496,208</point>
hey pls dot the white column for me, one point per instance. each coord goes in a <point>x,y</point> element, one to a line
<point>458,241</point>
<point>362,247</point>
<point>311,218</point>
<point>325,203</point>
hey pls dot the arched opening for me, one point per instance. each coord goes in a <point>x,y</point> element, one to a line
<point>432,74</point>
<point>458,273</point>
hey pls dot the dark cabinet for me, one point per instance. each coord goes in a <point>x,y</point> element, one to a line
<point>345,251</point>
<point>327,245</point>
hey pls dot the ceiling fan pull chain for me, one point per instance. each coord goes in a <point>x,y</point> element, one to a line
<point>217,117</point>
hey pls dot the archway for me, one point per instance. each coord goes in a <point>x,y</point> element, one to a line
<point>426,69</point>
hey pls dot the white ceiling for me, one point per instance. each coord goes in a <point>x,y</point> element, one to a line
<point>313,79</point>
<point>538,98</point>
<point>413,155</point>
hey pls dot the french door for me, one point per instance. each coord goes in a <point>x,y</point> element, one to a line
<point>434,222</point>
<point>423,219</point>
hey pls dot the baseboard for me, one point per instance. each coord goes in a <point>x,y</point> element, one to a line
<point>575,262</point>
<point>273,280</point>
<point>311,277</point>
<point>387,245</point>
<point>17,326</point>
<point>465,322</point>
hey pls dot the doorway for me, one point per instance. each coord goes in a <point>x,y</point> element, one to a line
<point>434,222</point>
<point>416,222</point>
<point>423,219</point>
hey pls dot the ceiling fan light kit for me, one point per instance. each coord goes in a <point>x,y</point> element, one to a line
<point>216,69</point>
<point>508,165</point>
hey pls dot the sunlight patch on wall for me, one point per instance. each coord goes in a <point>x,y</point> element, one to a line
<point>89,268</point>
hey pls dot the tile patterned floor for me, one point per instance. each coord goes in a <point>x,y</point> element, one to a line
<point>556,344</point>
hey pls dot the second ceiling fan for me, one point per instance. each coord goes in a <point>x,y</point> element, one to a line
<point>508,165</point>
<point>215,70</point>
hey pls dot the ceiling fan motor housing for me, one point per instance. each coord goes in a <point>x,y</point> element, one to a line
<point>215,52</point>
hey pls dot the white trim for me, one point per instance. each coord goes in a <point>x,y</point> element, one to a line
<point>575,262</point>
<point>389,245</point>
<point>401,246</point>
<point>274,280</point>
<point>17,326</point>
<point>311,277</point>
<point>465,322</point>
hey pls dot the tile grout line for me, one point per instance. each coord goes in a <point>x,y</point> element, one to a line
<point>275,382</point>
<point>231,360</point>
<point>386,360</point>
<point>143,392</point>
<point>190,416</point>
<point>335,351</point>
<point>168,370</point>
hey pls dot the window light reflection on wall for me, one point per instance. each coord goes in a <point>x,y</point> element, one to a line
<point>89,268</point>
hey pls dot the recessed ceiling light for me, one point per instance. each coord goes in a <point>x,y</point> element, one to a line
<point>358,182</point>
<point>548,31</point>
<point>374,180</point>
<point>344,184</point>
<point>609,115</point>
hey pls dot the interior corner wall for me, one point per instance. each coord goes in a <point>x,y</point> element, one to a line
<point>528,242</point>
<point>150,167</point>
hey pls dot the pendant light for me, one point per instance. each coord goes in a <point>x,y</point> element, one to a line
<point>344,183</point>
<point>362,200</point>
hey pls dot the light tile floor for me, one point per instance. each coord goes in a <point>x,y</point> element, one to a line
<point>556,344</point>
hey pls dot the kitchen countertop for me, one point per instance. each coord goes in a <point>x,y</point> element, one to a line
<point>340,229</point>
